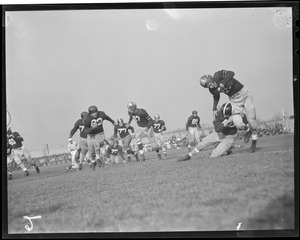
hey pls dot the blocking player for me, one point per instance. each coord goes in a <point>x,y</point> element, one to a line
<point>93,127</point>
<point>115,152</point>
<point>194,129</point>
<point>224,135</point>
<point>83,147</point>
<point>158,128</point>
<point>122,129</point>
<point>19,152</point>
<point>145,122</point>
<point>241,99</point>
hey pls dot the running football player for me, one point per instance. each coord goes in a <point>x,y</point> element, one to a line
<point>19,152</point>
<point>93,127</point>
<point>145,122</point>
<point>158,128</point>
<point>194,129</point>
<point>241,99</point>
<point>122,129</point>
<point>83,147</point>
<point>224,136</point>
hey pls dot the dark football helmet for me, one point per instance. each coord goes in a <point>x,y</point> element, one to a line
<point>92,109</point>
<point>83,114</point>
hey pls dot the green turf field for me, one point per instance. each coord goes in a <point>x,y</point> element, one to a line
<point>253,191</point>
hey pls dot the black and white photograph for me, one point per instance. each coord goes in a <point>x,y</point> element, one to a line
<point>150,118</point>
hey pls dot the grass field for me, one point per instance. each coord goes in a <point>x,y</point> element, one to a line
<point>255,191</point>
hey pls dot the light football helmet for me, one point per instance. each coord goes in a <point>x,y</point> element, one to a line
<point>131,106</point>
<point>206,80</point>
<point>227,110</point>
<point>156,118</point>
<point>92,109</point>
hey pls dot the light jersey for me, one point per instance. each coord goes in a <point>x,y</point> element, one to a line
<point>158,126</point>
<point>78,125</point>
<point>141,117</point>
<point>15,140</point>
<point>193,121</point>
<point>122,130</point>
<point>89,121</point>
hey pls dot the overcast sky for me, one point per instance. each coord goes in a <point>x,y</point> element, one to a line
<point>58,63</point>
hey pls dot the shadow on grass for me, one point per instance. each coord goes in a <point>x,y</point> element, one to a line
<point>279,214</point>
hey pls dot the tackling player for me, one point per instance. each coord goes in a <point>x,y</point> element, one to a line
<point>194,128</point>
<point>122,129</point>
<point>158,128</point>
<point>241,99</point>
<point>83,146</point>
<point>93,127</point>
<point>145,122</point>
<point>224,135</point>
<point>18,152</point>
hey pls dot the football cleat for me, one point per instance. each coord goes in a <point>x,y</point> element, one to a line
<point>143,157</point>
<point>26,173</point>
<point>80,166</point>
<point>185,158</point>
<point>253,146</point>
<point>37,169</point>
<point>136,157</point>
<point>159,156</point>
<point>9,176</point>
<point>69,167</point>
<point>247,136</point>
<point>228,152</point>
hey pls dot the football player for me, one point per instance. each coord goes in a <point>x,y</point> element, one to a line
<point>93,127</point>
<point>122,129</point>
<point>158,128</point>
<point>241,99</point>
<point>83,147</point>
<point>224,135</point>
<point>115,152</point>
<point>145,122</point>
<point>19,152</point>
<point>74,149</point>
<point>194,129</point>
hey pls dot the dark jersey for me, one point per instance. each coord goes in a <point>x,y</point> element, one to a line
<point>123,131</point>
<point>78,125</point>
<point>219,127</point>
<point>159,126</point>
<point>141,117</point>
<point>231,85</point>
<point>193,121</point>
<point>15,140</point>
<point>97,122</point>
<point>114,150</point>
